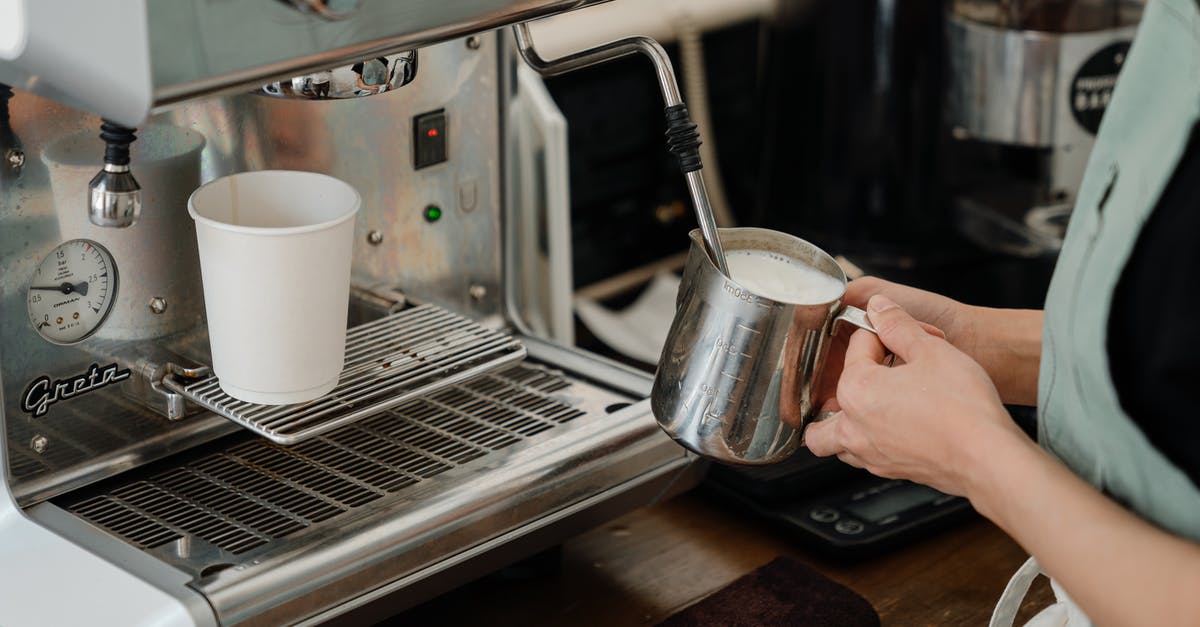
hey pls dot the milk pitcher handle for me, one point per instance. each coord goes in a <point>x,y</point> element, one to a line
<point>855,316</point>
<point>848,315</point>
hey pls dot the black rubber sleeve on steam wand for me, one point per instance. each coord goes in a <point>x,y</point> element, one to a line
<point>116,142</point>
<point>682,138</point>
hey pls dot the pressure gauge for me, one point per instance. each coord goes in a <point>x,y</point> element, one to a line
<point>72,291</point>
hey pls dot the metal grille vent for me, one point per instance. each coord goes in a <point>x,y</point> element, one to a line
<point>255,491</point>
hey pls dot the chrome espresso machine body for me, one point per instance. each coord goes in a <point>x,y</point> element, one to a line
<point>124,502</point>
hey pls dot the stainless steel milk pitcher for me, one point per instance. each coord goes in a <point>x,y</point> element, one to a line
<point>738,372</point>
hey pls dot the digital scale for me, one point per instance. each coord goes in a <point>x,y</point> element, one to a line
<point>842,512</point>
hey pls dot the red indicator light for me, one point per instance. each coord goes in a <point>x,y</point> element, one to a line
<point>433,132</point>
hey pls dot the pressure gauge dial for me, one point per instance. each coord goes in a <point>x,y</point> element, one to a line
<point>72,291</point>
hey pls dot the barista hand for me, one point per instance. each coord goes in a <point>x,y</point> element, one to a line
<point>1006,342</point>
<point>947,317</point>
<point>938,420</point>
<point>925,420</point>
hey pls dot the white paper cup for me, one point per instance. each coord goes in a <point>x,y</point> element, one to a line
<point>275,250</point>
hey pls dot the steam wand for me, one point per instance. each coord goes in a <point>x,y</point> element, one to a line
<point>682,138</point>
<point>114,196</point>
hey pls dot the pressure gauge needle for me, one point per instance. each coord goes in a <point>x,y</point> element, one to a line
<point>65,288</point>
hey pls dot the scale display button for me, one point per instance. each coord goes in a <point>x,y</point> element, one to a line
<point>823,514</point>
<point>849,527</point>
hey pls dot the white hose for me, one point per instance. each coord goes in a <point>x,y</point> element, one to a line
<point>691,52</point>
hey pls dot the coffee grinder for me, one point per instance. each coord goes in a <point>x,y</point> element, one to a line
<point>1029,83</point>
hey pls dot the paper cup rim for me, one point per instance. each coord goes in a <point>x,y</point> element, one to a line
<point>275,230</point>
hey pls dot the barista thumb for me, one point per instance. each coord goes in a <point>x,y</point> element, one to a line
<point>902,334</point>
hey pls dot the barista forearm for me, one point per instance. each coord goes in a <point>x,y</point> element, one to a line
<point>1119,568</point>
<point>1008,344</point>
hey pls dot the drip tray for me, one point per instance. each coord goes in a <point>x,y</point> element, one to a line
<point>251,497</point>
<point>394,508</point>
<point>389,362</point>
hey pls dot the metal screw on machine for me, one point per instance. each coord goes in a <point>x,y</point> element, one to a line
<point>158,304</point>
<point>473,42</point>
<point>39,443</point>
<point>374,238</point>
<point>477,292</point>
<point>15,158</point>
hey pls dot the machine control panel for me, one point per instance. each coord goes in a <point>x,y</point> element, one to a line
<point>429,139</point>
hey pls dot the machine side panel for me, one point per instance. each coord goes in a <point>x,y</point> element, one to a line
<point>41,569</point>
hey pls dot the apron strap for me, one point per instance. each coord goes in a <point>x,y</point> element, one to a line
<point>1014,593</point>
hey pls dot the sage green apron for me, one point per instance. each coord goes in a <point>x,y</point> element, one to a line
<point>1141,139</point>
<point>1080,419</point>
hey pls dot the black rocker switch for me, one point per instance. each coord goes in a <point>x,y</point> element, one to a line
<point>429,139</point>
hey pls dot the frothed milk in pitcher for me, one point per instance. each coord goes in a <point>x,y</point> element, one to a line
<point>737,379</point>
<point>782,278</point>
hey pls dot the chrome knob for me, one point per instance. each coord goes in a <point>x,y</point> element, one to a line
<point>368,77</point>
<point>114,196</point>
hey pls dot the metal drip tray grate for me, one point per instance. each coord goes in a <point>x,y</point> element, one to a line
<point>388,362</point>
<point>253,492</point>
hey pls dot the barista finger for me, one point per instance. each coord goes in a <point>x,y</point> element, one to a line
<point>860,290</point>
<point>932,330</point>
<point>864,348</point>
<point>899,331</point>
<point>892,360</point>
<point>821,437</point>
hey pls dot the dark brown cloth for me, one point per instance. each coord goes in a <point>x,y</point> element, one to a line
<point>784,592</point>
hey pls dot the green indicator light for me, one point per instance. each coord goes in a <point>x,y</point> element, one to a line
<point>433,213</point>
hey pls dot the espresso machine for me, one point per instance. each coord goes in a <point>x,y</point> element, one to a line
<point>131,490</point>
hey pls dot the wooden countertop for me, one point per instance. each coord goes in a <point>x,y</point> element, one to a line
<point>650,564</point>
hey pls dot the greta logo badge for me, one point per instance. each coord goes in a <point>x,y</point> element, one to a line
<point>42,393</point>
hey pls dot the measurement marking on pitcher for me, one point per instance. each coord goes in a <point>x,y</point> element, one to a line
<point>726,374</point>
<point>711,419</point>
<point>727,347</point>
<point>746,328</point>
<point>710,414</point>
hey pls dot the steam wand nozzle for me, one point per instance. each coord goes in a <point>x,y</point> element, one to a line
<point>114,196</point>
